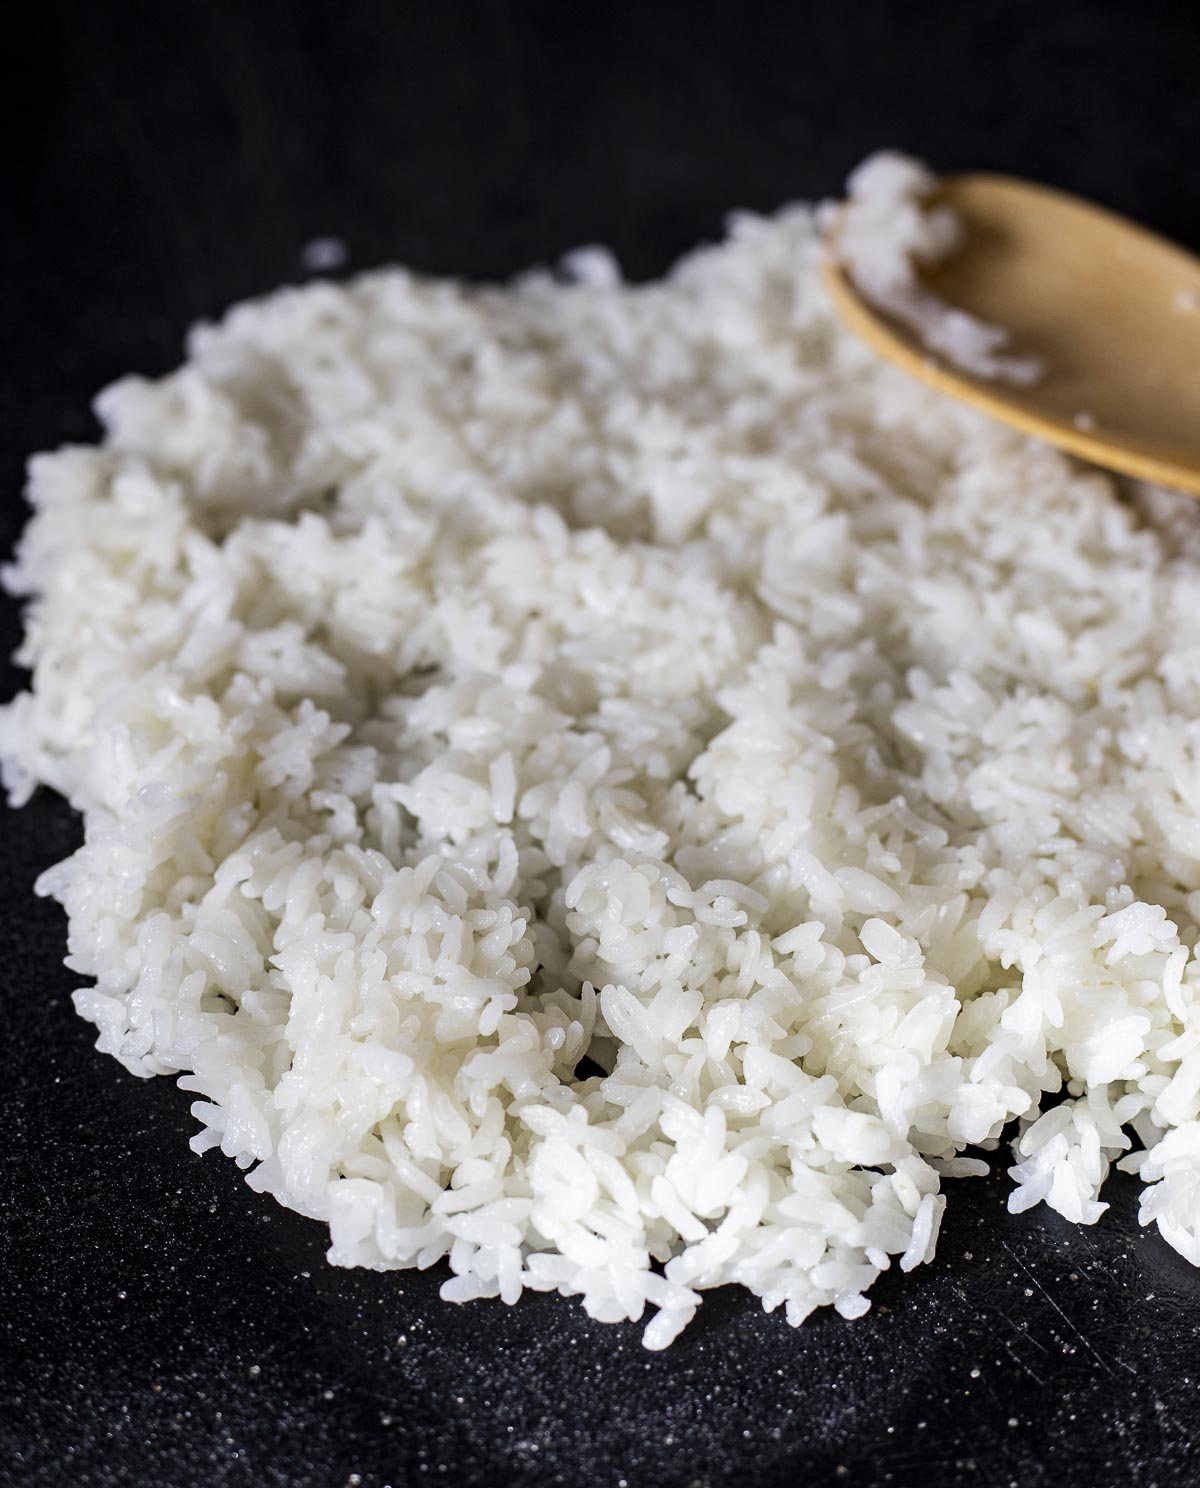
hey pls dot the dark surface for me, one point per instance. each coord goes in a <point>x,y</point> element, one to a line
<point>160,1323</point>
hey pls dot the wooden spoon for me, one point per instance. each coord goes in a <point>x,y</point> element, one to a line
<point>1111,310</point>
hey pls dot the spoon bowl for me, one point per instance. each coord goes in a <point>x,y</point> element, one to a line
<point>1111,310</point>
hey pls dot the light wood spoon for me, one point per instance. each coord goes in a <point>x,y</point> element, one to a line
<point>1110,309</point>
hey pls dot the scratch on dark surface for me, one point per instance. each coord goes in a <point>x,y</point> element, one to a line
<point>1021,1364</point>
<point>1018,1329</point>
<point>983,1472</point>
<point>1073,1326</point>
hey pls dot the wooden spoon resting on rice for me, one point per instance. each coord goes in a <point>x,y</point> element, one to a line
<point>1102,316</point>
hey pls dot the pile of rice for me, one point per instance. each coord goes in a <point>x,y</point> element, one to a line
<point>617,788</point>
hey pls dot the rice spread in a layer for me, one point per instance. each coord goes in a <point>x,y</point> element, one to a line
<point>617,789</point>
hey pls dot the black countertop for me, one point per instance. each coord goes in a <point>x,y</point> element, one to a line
<point>159,1322</point>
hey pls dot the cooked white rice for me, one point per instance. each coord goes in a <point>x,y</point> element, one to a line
<point>459,682</point>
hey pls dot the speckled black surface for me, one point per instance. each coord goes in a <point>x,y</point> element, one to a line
<point>159,1323</point>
